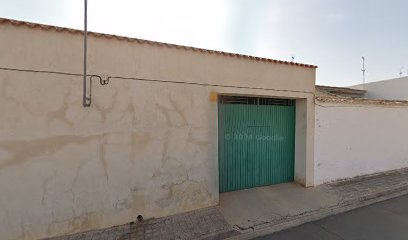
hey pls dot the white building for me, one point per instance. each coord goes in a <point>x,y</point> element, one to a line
<point>391,89</point>
<point>175,127</point>
<point>159,139</point>
<point>357,136</point>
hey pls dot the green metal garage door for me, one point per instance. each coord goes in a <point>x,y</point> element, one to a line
<point>256,142</point>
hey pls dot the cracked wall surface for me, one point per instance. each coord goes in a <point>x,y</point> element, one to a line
<point>145,148</point>
<point>75,171</point>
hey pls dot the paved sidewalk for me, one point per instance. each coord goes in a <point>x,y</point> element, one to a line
<point>343,196</point>
<point>260,211</point>
<point>201,224</point>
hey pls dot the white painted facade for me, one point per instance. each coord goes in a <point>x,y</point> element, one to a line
<point>392,89</point>
<point>354,139</point>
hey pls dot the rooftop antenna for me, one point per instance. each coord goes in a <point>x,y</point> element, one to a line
<point>86,101</point>
<point>363,70</point>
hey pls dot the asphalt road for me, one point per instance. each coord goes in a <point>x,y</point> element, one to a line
<point>386,220</point>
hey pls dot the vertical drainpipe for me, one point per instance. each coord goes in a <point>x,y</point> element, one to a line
<point>85,100</point>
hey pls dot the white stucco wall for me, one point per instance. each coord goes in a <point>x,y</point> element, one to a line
<point>392,89</point>
<point>359,139</point>
<point>143,147</point>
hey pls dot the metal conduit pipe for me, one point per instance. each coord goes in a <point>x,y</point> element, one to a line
<point>86,101</point>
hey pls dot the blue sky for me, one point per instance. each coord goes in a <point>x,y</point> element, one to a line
<point>332,34</point>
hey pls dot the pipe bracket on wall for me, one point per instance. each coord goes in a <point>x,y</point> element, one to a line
<point>88,93</point>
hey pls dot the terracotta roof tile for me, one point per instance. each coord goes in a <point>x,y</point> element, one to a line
<point>110,36</point>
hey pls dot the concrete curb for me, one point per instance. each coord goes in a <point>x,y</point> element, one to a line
<point>269,228</point>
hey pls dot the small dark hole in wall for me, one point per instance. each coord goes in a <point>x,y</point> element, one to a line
<point>139,218</point>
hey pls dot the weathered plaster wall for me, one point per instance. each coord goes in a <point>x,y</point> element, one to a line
<point>144,148</point>
<point>355,139</point>
<point>304,141</point>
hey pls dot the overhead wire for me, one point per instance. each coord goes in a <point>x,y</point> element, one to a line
<point>106,80</point>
